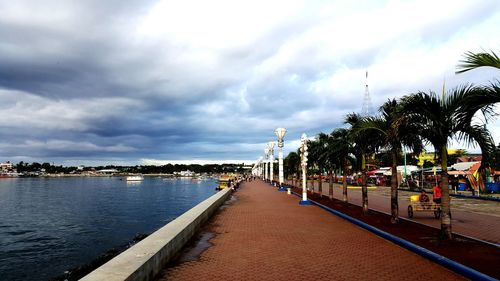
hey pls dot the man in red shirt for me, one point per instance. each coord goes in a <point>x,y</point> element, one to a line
<point>436,194</point>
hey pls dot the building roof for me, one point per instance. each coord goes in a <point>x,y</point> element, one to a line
<point>463,166</point>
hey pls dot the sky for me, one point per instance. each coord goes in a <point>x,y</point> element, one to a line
<point>149,82</point>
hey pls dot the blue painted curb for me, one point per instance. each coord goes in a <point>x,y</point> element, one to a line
<point>450,264</point>
<point>305,202</point>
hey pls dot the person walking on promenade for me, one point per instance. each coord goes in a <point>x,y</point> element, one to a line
<point>436,194</point>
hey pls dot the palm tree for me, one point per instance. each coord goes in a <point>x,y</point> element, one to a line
<point>342,146</point>
<point>316,157</point>
<point>476,60</point>
<point>366,143</point>
<point>331,160</point>
<point>451,117</point>
<point>394,131</point>
<point>322,155</point>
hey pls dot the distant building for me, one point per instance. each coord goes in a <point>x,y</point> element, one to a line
<point>108,171</point>
<point>470,158</point>
<point>6,166</point>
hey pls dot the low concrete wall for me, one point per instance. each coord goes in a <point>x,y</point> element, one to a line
<point>147,258</point>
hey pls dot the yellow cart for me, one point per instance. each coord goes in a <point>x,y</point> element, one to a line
<point>417,206</point>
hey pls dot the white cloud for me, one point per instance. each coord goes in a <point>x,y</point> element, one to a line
<point>20,109</point>
<point>211,80</point>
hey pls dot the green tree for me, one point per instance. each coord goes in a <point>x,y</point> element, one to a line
<point>291,164</point>
<point>341,145</point>
<point>452,158</point>
<point>393,131</point>
<point>331,160</point>
<point>366,143</point>
<point>450,117</point>
<point>318,156</point>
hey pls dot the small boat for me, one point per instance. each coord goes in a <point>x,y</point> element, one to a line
<point>135,178</point>
<point>9,175</point>
<point>223,182</point>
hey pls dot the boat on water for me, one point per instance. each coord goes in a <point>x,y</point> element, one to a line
<point>224,181</point>
<point>135,178</point>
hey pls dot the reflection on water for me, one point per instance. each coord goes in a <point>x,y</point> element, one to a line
<point>48,226</point>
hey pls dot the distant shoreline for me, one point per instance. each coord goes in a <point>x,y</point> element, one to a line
<point>101,175</point>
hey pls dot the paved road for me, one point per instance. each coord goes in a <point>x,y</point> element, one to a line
<point>267,235</point>
<point>470,217</point>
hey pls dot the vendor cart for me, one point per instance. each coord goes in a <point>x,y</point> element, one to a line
<point>417,206</point>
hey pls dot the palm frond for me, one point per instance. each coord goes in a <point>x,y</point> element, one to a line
<point>474,99</point>
<point>475,60</point>
<point>479,134</point>
<point>427,116</point>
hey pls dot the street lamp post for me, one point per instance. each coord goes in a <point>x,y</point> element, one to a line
<point>303,154</point>
<point>280,133</point>
<point>270,146</point>
<point>258,167</point>
<point>261,168</point>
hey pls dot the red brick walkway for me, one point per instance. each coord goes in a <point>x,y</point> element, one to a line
<point>267,235</point>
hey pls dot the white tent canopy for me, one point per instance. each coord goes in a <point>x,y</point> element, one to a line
<point>386,171</point>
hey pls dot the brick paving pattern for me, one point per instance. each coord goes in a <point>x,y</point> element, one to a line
<point>267,235</point>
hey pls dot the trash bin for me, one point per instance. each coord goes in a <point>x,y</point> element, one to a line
<point>492,187</point>
<point>461,187</point>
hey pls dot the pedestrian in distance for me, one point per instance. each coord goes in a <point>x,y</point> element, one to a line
<point>436,194</point>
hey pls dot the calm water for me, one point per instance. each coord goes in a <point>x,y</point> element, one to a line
<point>48,226</point>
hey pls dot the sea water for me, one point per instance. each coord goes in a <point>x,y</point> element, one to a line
<point>50,225</point>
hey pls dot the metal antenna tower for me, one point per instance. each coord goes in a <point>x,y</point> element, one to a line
<point>366,110</point>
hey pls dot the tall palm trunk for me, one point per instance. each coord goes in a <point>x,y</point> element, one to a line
<point>344,181</point>
<point>330,184</point>
<point>299,175</point>
<point>445,197</point>
<point>320,181</point>
<point>364,188</point>
<point>394,189</point>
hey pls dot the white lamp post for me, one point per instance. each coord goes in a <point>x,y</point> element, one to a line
<point>259,169</point>
<point>303,154</point>
<point>280,133</point>
<point>266,174</point>
<point>270,146</point>
<point>263,168</point>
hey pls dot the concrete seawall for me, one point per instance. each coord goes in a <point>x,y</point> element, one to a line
<point>147,258</point>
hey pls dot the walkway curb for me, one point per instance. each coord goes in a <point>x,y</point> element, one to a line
<point>146,259</point>
<point>450,264</point>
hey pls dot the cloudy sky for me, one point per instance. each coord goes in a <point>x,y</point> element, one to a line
<point>139,82</point>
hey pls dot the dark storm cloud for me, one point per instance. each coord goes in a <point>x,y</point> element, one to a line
<point>126,80</point>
